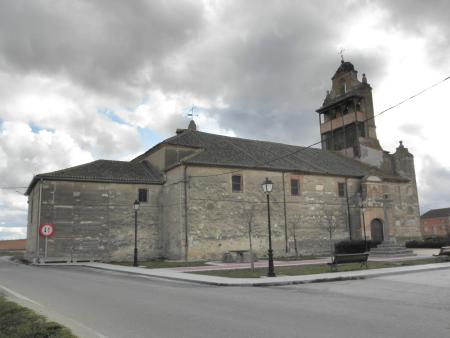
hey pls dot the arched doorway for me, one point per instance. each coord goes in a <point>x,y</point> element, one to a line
<point>376,230</point>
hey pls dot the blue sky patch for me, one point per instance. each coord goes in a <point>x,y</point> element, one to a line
<point>148,137</point>
<point>112,116</point>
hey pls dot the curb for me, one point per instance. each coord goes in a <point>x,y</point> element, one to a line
<point>259,283</point>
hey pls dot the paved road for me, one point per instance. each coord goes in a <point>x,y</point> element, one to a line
<point>105,304</point>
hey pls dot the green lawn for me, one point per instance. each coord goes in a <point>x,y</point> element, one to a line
<point>313,269</point>
<point>159,264</point>
<point>18,322</point>
<point>19,254</point>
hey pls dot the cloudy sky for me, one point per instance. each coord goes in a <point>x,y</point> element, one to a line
<point>86,80</point>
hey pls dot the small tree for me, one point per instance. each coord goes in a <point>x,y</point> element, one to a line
<point>296,220</point>
<point>329,225</point>
<point>249,216</point>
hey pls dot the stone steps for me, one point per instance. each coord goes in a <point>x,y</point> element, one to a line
<point>391,249</point>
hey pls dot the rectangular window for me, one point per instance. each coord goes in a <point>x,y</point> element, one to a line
<point>143,195</point>
<point>236,183</point>
<point>295,187</point>
<point>342,189</point>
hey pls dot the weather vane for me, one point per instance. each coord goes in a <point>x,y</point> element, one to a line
<point>341,53</point>
<point>191,113</point>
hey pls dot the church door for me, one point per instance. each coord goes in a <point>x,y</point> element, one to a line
<point>376,230</point>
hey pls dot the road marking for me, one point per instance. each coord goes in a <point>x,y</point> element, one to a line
<point>77,323</point>
<point>18,295</point>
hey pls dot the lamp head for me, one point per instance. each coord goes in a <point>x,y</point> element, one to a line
<point>136,205</point>
<point>267,186</point>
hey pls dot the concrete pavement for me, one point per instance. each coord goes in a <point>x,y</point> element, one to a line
<point>99,303</point>
<point>182,273</point>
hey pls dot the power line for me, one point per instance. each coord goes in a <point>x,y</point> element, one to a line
<point>319,142</point>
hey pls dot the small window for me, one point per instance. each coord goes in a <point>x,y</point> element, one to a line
<point>341,189</point>
<point>143,195</point>
<point>295,187</point>
<point>236,183</point>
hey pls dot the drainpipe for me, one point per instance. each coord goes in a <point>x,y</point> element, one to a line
<point>349,219</point>
<point>39,221</point>
<point>186,239</point>
<point>285,215</point>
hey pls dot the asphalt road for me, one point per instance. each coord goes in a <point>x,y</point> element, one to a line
<point>97,303</point>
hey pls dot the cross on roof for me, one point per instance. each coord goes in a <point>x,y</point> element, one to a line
<point>191,113</point>
<point>341,53</point>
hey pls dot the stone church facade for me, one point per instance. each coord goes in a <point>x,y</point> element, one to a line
<point>199,192</point>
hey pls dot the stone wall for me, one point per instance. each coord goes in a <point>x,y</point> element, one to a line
<point>218,218</point>
<point>172,241</point>
<point>95,221</point>
<point>402,208</point>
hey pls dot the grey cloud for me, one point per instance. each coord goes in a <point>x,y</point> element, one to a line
<point>418,16</point>
<point>271,65</point>
<point>412,129</point>
<point>103,45</point>
<point>433,190</point>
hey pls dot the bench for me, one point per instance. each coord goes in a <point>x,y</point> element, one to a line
<point>349,258</point>
<point>238,256</point>
<point>444,251</point>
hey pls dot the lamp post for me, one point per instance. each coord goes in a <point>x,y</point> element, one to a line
<point>136,208</point>
<point>267,186</point>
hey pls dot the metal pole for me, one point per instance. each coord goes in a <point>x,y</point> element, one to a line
<point>271,272</point>
<point>45,253</point>
<point>135,262</point>
<point>364,228</point>
<point>285,216</point>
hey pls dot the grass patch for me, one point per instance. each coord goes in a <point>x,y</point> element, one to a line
<point>17,322</point>
<point>314,268</point>
<point>160,264</point>
<point>19,254</point>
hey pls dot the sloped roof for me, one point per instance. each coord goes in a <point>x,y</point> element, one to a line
<point>445,212</point>
<point>104,171</point>
<point>219,150</point>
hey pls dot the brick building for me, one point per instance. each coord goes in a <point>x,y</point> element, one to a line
<point>435,223</point>
<point>198,192</point>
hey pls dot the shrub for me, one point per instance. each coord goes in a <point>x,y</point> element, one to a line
<point>354,246</point>
<point>429,243</point>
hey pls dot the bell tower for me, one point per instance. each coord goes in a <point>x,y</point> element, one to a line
<point>347,123</point>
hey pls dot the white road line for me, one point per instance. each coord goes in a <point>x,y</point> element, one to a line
<point>18,295</point>
<point>76,323</point>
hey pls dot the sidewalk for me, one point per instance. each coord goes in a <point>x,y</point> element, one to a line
<point>182,273</point>
<point>266,281</point>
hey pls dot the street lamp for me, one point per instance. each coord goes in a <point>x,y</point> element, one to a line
<point>136,208</point>
<point>267,186</point>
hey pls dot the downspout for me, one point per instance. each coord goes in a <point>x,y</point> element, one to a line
<point>349,219</point>
<point>186,239</point>
<point>39,220</point>
<point>285,215</point>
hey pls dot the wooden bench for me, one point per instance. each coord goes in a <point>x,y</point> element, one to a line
<point>238,256</point>
<point>444,251</point>
<point>349,258</point>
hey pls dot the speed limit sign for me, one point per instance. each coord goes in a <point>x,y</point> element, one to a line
<point>47,230</point>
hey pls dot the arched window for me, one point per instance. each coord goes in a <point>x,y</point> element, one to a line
<point>343,87</point>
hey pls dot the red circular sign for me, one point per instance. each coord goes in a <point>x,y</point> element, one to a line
<point>46,230</point>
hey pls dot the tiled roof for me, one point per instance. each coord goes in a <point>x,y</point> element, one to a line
<point>445,212</point>
<point>227,151</point>
<point>104,171</point>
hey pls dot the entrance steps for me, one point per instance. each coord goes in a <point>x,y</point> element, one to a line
<point>390,248</point>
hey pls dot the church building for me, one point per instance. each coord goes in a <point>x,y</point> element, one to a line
<point>200,193</point>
